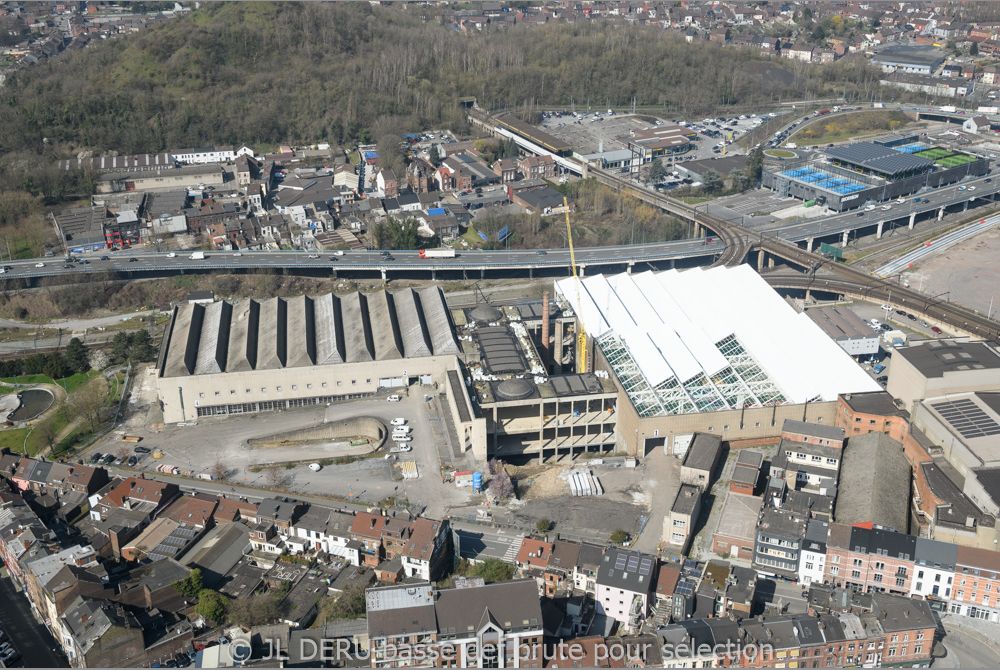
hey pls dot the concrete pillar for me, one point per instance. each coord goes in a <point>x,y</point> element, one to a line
<point>940,213</point>
<point>878,231</point>
<point>583,271</point>
<point>913,219</point>
<point>770,262</point>
<point>808,294</point>
<point>847,236</point>
<point>809,244</point>
<point>761,255</point>
<point>673,263</point>
<point>628,268</point>
<point>531,273</point>
<point>482,273</point>
<point>557,347</point>
<point>383,275</point>
<point>965,207</point>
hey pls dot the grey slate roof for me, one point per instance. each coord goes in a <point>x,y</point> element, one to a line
<point>627,570</point>
<point>302,331</point>
<point>704,451</point>
<point>814,429</point>
<point>874,483</point>
<point>512,606</point>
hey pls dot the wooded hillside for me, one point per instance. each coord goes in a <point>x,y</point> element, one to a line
<point>299,72</point>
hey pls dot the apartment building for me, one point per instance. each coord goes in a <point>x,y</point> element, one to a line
<point>870,559</point>
<point>624,584</point>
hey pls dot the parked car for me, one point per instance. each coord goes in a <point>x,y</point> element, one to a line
<point>142,450</point>
<point>315,467</point>
<point>96,456</point>
<point>132,460</point>
<point>394,398</point>
<point>936,330</point>
<point>398,421</point>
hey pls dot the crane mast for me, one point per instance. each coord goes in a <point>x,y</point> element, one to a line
<point>581,334</point>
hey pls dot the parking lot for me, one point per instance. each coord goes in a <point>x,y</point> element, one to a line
<point>596,131</point>
<point>366,479</point>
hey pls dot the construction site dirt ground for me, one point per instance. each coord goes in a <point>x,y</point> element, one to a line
<point>967,273</point>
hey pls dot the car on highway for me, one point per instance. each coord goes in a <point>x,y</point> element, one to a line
<point>861,213</point>
<point>911,317</point>
<point>901,312</point>
<point>987,181</point>
<point>398,421</point>
<point>885,307</point>
<point>869,208</point>
<point>338,252</point>
<point>936,330</point>
<point>172,255</point>
<point>105,258</point>
<point>133,260</point>
<point>886,208</point>
<point>314,256</point>
<point>239,253</point>
<point>333,258</point>
<point>541,252</point>
<point>962,187</point>
<point>972,188</point>
<point>39,265</point>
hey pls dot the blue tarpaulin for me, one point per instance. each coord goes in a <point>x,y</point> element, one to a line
<point>436,211</point>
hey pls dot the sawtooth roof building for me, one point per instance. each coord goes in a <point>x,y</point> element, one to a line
<point>712,350</point>
<point>249,355</point>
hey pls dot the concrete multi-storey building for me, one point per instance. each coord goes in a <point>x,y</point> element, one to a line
<point>933,368</point>
<point>976,591</point>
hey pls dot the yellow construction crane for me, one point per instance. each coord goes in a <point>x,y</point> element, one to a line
<point>581,334</point>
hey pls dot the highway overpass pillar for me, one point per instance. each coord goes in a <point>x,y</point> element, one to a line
<point>940,213</point>
<point>847,236</point>
<point>628,268</point>
<point>809,244</point>
<point>770,262</point>
<point>383,275</point>
<point>697,229</point>
<point>966,207</point>
<point>761,255</point>
<point>913,219</point>
<point>583,270</point>
<point>878,231</point>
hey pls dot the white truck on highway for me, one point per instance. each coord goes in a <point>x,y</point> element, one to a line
<point>197,256</point>
<point>949,108</point>
<point>437,253</point>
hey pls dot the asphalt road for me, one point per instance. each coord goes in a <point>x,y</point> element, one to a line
<point>967,648</point>
<point>38,648</point>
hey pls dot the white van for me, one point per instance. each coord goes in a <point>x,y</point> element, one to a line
<point>315,467</point>
<point>394,398</point>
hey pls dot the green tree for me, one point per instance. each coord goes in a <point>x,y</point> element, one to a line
<point>77,357</point>
<point>191,585</point>
<point>711,182</point>
<point>619,537</point>
<point>974,49</point>
<point>120,346</point>
<point>755,164</point>
<point>543,525</point>
<point>212,605</point>
<point>141,347</point>
<point>492,570</point>
<point>350,604</point>
<point>657,172</point>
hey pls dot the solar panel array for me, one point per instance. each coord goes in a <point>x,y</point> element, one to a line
<point>634,563</point>
<point>967,418</point>
<point>878,158</point>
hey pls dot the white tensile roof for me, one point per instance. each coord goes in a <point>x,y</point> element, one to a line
<point>671,323</point>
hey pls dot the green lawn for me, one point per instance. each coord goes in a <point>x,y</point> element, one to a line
<point>70,383</point>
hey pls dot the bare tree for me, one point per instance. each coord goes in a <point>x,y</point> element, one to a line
<point>220,471</point>
<point>90,402</point>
